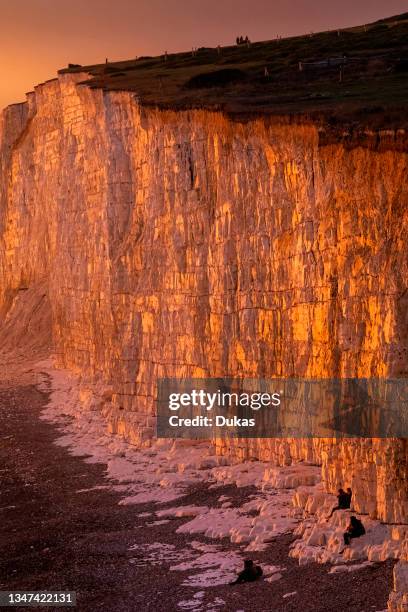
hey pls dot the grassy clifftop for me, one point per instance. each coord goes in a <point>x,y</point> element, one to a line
<point>359,73</point>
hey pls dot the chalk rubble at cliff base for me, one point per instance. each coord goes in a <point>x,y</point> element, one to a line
<point>289,499</point>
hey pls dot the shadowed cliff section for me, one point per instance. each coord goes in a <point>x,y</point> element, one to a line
<point>25,331</point>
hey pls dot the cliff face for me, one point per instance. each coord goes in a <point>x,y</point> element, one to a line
<point>186,244</point>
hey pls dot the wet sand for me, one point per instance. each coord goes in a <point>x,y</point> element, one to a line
<point>54,538</point>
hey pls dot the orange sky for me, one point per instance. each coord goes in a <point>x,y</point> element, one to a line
<point>37,37</point>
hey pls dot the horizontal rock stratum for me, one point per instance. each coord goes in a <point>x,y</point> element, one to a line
<point>185,243</point>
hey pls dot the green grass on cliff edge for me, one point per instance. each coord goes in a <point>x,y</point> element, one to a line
<point>372,89</point>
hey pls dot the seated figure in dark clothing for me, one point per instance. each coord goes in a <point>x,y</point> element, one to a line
<point>354,530</point>
<point>343,501</point>
<point>250,572</point>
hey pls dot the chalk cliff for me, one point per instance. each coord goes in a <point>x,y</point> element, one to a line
<point>185,243</point>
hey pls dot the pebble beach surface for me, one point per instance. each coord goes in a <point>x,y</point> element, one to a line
<point>62,528</point>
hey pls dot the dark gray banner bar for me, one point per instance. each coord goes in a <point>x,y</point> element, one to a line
<point>56,599</point>
<point>282,408</point>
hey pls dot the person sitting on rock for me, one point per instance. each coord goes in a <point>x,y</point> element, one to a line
<point>343,502</point>
<point>354,530</point>
<point>250,573</point>
<point>349,493</point>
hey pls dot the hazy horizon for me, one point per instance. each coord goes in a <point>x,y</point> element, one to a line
<point>38,37</point>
